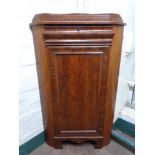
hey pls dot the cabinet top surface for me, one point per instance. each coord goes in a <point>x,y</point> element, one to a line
<point>77,18</point>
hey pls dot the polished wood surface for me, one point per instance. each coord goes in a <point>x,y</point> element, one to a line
<point>77,18</point>
<point>77,57</point>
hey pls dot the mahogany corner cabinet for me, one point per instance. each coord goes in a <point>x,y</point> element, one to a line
<point>78,59</point>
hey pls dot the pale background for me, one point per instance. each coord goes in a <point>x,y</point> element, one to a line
<point>30,117</point>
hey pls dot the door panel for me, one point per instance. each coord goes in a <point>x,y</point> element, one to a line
<point>80,76</point>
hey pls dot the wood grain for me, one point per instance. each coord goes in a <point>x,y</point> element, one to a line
<point>78,58</point>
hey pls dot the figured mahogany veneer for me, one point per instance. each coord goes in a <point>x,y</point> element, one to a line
<point>78,58</point>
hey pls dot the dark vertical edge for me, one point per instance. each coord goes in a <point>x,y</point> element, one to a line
<point>113,72</point>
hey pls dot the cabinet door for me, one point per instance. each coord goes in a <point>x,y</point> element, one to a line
<point>79,77</point>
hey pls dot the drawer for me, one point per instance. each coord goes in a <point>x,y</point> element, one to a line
<point>78,35</point>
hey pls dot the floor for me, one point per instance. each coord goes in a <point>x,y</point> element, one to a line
<point>82,149</point>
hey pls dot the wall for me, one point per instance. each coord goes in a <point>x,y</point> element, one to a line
<point>30,123</point>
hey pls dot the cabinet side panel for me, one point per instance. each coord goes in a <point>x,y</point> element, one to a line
<point>114,64</point>
<point>44,81</point>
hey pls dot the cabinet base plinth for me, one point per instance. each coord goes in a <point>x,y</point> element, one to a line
<point>58,141</point>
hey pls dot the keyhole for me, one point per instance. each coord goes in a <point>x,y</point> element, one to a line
<point>78,29</point>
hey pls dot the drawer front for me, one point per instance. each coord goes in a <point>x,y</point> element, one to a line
<point>78,35</point>
<point>78,84</point>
